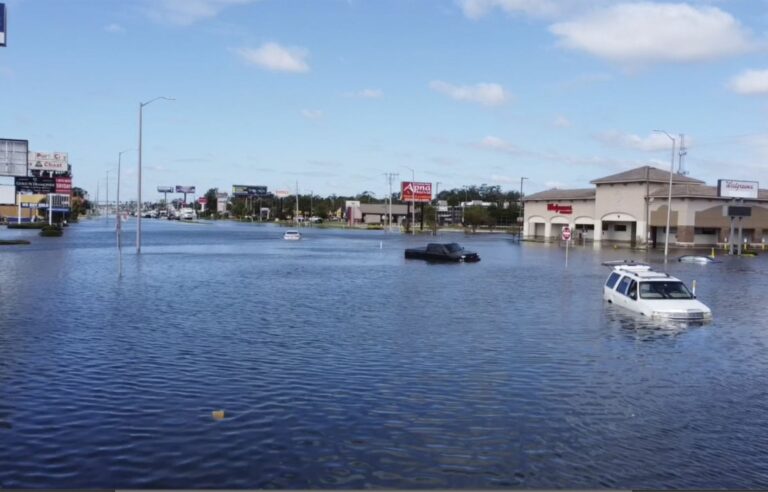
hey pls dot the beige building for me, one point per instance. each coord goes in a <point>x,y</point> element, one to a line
<point>631,207</point>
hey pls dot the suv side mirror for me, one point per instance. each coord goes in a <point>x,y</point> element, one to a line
<point>633,295</point>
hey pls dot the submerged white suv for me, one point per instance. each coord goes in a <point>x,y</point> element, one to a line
<point>654,294</point>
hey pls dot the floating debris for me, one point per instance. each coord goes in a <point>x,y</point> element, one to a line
<point>217,414</point>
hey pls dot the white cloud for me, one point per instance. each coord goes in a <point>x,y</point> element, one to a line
<point>562,122</point>
<point>647,32</point>
<point>367,94</point>
<point>652,143</point>
<point>277,58</point>
<point>186,12</point>
<point>497,144</point>
<point>114,28</point>
<point>500,179</point>
<point>475,9</point>
<point>750,82</point>
<point>312,114</point>
<point>486,94</point>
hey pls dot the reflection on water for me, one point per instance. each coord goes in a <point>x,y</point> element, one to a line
<point>340,364</point>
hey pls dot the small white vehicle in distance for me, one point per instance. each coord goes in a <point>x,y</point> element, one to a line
<point>292,235</point>
<point>657,295</point>
<point>187,214</point>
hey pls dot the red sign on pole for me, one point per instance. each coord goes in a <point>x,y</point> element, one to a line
<point>417,192</point>
<point>64,185</point>
<point>202,200</point>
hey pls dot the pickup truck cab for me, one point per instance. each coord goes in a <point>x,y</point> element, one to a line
<point>653,294</point>
<point>448,252</point>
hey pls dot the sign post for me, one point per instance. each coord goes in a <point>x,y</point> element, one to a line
<point>566,236</point>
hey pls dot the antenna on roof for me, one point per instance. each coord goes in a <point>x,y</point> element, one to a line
<point>683,151</point>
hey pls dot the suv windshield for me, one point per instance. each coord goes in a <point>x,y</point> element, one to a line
<point>454,247</point>
<point>664,290</point>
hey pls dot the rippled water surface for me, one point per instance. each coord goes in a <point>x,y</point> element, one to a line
<point>339,364</point>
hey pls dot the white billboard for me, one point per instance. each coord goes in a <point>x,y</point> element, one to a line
<point>282,193</point>
<point>731,188</point>
<point>7,194</point>
<point>13,157</point>
<point>49,161</point>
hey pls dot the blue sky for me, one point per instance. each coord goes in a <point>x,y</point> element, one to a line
<point>335,93</point>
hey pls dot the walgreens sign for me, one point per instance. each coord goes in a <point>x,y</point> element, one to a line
<point>560,209</point>
<point>730,188</point>
<point>417,192</point>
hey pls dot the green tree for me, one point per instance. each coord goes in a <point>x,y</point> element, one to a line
<point>475,217</point>
<point>210,207</point>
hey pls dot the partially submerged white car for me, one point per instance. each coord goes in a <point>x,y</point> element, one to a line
<point>653,294</point>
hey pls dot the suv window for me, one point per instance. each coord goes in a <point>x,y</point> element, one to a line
<point>623,285</point>
<point>632,290</point>
<point>611,283</point>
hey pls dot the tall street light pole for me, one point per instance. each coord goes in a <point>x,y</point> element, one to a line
<point>413,200</point>
<point>669,198</point>
<point>118,219</point>
<point>106,214</point>
<point>138,203</point>
<point>522,212</point>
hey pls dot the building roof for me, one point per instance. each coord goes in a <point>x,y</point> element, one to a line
<point>557,194</point>
<point>643,173</point>
<point>689,190</point>
<point>383,208</point>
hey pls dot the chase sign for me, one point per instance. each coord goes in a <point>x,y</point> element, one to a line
<point>3,18</point>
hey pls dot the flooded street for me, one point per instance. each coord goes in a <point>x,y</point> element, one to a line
<point>340,364</point>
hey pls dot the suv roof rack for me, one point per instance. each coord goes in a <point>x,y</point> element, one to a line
<point>616,263</point>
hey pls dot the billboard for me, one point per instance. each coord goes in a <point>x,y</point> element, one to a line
<point>49,161</point>
<point>63,185</point>
<point>33,201</point>
<point>185,189</point>
<point>14,155</point>
<point>165,189</point>
<point>282,193</point>
<point>3,24</point>
<point>7,195</point>
<point>416,192</point>
<point>41,186</point>
<point>246,190</point>
<point>730,188</point>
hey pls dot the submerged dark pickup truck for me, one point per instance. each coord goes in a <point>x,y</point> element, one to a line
<point>442,252</point>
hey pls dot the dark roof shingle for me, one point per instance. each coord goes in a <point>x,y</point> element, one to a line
<point>557,194</point>
<point>643,173</point>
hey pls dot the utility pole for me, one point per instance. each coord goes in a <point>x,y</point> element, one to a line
<point>390,178</point>
<point>437,205</point>
<point>522,214</point>
<point>681,154</point>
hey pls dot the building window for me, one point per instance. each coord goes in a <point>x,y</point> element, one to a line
<point>620,228</point>
<point>708,232</point>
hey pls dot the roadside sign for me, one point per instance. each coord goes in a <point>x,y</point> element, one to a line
<point>566,234</point>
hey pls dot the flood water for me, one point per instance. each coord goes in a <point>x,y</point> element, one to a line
<point>339,364</point>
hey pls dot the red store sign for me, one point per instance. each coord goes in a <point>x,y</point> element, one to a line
<point>560,209</point>
<point>64,185</point>
<point>417,192</point>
